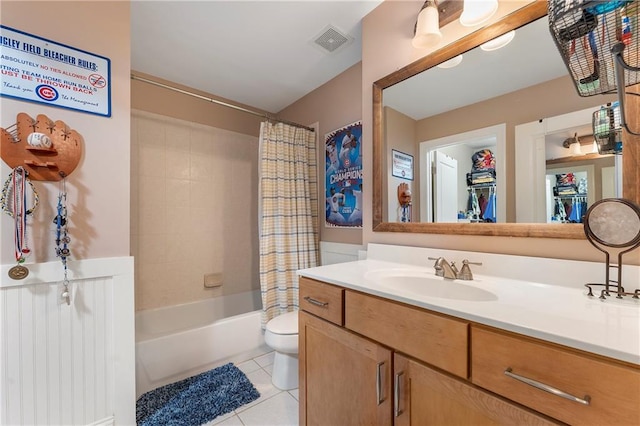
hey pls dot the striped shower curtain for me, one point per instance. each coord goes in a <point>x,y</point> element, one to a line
<point>288,214</point>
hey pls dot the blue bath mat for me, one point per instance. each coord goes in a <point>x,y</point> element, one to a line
<point>196,400</point>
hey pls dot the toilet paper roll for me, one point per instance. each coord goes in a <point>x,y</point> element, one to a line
<point>39,140</point>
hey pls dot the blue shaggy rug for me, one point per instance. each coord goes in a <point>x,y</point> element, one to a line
<point>196,400</point>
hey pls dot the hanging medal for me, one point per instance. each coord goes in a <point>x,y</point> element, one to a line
<point>62,237</point>
<point>14,202</point>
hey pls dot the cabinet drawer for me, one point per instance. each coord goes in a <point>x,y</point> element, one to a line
<point>323,300</point>
<point>433,338</point>
<point>612,388</point>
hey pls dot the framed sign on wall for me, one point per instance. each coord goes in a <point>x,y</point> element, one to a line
<point>402,165</point>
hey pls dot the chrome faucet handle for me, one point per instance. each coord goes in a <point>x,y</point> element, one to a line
<point>454,268</point>
<point>465,272</point>
<point>438,265</point>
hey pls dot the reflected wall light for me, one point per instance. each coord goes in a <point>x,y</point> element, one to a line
<point>428,27</point>
<point>498,42</point>
<point>476,12</point>
<point>573,144</point>
<point>453,62</point>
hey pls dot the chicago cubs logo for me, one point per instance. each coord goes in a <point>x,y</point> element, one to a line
<point>47,93</point>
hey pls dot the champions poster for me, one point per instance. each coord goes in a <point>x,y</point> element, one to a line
<point>343,177</point>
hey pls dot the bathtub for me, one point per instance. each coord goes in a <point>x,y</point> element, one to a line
<point>179,341</point>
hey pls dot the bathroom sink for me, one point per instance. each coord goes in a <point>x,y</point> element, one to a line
<point>425,283</point>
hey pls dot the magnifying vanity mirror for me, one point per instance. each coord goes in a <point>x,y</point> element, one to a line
<point>493,144</point>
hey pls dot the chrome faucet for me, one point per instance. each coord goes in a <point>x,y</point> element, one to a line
<point>445,269</point>
<point>449,271</point>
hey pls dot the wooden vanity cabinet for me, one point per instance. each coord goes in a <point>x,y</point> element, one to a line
<point>429,397</point>
<point>360,374</point>
<point>436,339</point>
<point>345,379</point>
<point>570,385</point>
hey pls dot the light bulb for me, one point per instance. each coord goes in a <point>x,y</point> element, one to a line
<point>574,148</point>
<point>427,28</point>
<point>476,12</point>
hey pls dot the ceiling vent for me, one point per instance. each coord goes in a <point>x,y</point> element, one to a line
<point>331,40</point>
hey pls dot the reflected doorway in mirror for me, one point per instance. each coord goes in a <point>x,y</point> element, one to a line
<point>444,165</point>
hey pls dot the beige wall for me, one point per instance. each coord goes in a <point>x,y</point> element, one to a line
<point>98,190</point>
<point>332,105</point>
<point>194,197</point>
<point>159,100</point>
<point>400,134</point>
<point>387,33</point>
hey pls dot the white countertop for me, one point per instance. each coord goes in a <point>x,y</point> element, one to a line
<point>559,314</point>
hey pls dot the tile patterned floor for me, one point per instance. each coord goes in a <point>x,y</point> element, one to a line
<point>274,407</point>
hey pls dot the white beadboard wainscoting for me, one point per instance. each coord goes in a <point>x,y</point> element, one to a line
<point>68,364</point>
<point>331,252</point>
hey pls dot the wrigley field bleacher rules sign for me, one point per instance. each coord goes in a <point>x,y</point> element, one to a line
<point>35,69</point>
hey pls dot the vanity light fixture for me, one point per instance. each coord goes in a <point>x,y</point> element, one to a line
<point>573,144</point>
<point>574,149</point>
<point>498,42</point>
<point>428,27</point>
<point>476,12</point>
<point>453,62</point>
<point>433,15</point>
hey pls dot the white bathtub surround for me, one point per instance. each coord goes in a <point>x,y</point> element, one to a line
<point>68,364</point>
<point>184,226</point>
<point>176,342</point>
<point>537,297</point>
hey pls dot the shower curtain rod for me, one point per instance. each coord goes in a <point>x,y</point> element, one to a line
<point>215,101</point>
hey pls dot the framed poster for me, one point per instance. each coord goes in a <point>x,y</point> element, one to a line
<point>402,165</point>
<point>343,177</point>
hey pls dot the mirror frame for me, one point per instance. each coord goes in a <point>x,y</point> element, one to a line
<point>518,18</point>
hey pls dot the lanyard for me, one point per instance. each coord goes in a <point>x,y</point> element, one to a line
<point>14,202</point>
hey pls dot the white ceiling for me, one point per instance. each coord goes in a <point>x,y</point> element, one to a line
<point>258,53</point>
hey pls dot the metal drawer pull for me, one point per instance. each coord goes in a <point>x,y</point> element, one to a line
<point>316,302</point>
<point>379,394</point>
<point>396,395</point>
<point>586,400</point>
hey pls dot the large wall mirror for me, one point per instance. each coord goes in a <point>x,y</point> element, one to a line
<point>435,126</point>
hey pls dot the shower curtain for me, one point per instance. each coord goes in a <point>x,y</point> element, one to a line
<point>288,214</point>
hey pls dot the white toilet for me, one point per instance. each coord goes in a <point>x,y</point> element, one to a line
<point>281,335</point>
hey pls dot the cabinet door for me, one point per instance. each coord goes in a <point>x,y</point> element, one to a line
<point>345,379</point>
<point>425,397</point>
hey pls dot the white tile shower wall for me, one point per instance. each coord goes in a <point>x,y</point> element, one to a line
<point>193,210</point>
<point>68,364</point>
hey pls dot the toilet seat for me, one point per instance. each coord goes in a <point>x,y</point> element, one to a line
<point>284,324</point>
